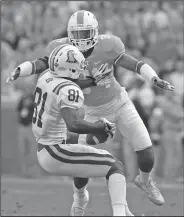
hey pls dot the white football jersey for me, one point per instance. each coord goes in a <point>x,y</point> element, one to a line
<point>52,94</point>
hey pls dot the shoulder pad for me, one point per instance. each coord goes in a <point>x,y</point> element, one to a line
<point>111,42</point>
<point>106,42</point>
<point>55,43</point>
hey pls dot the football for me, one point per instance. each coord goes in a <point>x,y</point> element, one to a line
<point>92,139</point>
<point>95,139</point>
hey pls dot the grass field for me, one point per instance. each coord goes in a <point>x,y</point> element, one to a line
<point>50,197</point>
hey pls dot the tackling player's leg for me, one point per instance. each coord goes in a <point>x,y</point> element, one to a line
<point>85,161</point>
<point>132,127</point>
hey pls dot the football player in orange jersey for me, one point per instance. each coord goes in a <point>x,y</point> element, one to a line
<point>103,94</point>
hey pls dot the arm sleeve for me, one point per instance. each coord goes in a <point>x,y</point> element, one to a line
<point>70,96</point>
<point>39,65</point>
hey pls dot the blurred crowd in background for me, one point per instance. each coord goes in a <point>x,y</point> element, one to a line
<point>151,31</point>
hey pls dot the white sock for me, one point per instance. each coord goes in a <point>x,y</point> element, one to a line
<point>127,211</point>
<point>79,192</point>
<point>117,191</point>
<point>144,177</point>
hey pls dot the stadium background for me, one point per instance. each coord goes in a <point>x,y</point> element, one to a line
<point>151,31</point>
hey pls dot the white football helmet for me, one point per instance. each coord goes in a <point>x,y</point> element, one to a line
<point>66,61</point>
<point>83,30</point>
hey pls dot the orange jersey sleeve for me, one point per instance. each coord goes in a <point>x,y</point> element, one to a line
<point>118,49</point>
<point>112,46</point>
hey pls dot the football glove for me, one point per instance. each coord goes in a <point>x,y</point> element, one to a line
<point>157,82</point>
<point>101,74</point>
<point>13,75</point>
<point>109,127</point>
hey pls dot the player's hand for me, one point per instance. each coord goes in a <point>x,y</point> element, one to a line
<point>109,126</point>
<point>101,75</point>
<point>157,82</point>
<point>13,75</point>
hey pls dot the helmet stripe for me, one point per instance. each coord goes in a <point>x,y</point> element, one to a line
<point>53,55</point>
<point>80,17</point>
<point>52,58</point>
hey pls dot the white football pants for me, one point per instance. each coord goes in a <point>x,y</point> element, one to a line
<point>75,160</point>
<point>128,122</point>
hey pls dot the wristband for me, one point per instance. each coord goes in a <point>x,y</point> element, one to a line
<point>27,68</point>
<point>147,72</point>
<point>138,66</point>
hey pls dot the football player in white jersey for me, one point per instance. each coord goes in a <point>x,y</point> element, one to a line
<point>57,100</point>
<point>103,94</point>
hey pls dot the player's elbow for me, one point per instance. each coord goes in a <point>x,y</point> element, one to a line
<point>71,128</point>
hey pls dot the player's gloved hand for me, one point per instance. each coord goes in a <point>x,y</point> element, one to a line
<point>13,75</point>
<point>109,127</point>
<point>157,82</point>
<point>101,74</point>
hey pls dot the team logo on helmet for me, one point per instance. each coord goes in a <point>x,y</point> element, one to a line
<point>71,57</point>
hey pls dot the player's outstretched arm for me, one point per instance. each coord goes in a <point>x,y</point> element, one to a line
<point>77,125</point>
<point>28,68</point>
<point>147,72</point>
